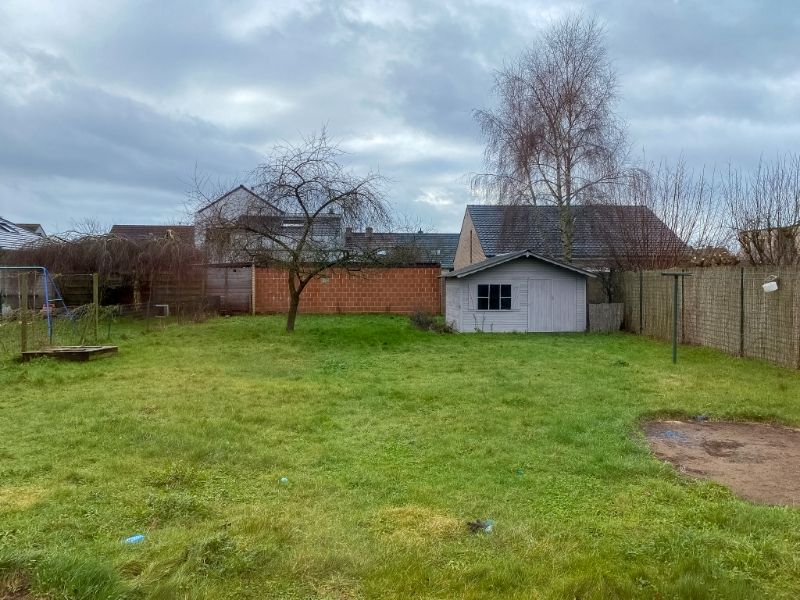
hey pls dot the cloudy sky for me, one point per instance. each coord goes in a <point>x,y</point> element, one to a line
<point>108,107</point>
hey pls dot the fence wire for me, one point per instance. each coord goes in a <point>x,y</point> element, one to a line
<point>721,307</point>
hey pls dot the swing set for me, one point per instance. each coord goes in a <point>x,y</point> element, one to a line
<point>29,295</point>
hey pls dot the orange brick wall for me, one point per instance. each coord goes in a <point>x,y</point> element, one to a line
<point>401,290</point>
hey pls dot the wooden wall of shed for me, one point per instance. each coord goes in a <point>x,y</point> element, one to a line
<point>462,303</point>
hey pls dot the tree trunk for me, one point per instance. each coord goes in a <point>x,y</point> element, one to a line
<point>567,223</point>
<point>294,304</point>
<point>294,301</point>
<point>567,228</point>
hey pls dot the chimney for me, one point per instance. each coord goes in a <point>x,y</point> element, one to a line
<point>368,231</point>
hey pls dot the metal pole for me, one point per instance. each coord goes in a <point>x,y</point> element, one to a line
<point>23,311</point>
<point>675,308</point>
<point>45,276</point>
<point>96,301</point>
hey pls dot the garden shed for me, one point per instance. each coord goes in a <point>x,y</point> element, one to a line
<point>518,291</point>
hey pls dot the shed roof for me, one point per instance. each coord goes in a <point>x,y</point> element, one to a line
<point>508,257</point>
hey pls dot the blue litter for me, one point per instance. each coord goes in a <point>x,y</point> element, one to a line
<point>134,539</point>
<point>674,435</point>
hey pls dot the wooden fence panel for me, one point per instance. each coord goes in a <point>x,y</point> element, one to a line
<point>721,307</point>
<point>230,288</point>
<point>606,317</point>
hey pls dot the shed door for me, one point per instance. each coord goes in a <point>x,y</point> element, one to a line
<point>552,304</point>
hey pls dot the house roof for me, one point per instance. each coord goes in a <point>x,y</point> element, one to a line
<point>508,257</point>
<point>14,237</point>
<point>431,247</point>
<point>241,188</point>
<point>33,228</point>
<point>503,229</point>
<point>292,225</point>
<point>144,232</point>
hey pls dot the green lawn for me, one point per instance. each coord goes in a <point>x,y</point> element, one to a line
<point>391,440</point>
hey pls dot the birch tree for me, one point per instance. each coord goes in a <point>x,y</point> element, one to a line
<point>553,136</point>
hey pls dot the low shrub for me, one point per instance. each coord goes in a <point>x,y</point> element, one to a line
<point>428,322</point>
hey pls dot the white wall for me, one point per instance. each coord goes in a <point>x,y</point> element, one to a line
<point>461,294</point>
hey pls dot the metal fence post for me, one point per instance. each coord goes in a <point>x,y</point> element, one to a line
<point>23,311</point>
<point>96,302</point>
<point>676,275</point>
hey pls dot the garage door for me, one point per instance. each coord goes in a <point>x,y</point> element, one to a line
<point>552,304</point>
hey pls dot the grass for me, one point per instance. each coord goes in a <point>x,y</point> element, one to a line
<point>391,440</point>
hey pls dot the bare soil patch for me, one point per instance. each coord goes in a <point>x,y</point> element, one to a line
<point>16,586</point>
<point>758,461</point>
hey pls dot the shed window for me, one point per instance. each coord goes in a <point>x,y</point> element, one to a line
<point>494,297</point>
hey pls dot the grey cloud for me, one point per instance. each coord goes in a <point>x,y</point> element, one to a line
<point>83,132</point>
<point>108,113</point>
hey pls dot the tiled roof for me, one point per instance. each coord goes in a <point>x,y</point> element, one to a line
<point>144,232</point>
<point>13,237</point>
<point>503,229</point>
<point>292,225</point>
<point>240,191</point>
<point>430,247</point>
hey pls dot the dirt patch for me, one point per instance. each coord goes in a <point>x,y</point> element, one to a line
<point>759,462</point>
<point>16,586</point>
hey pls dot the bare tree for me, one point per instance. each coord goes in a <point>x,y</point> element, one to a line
<point>554,137</point>
<point>764,207</point>
<point>302,202</point>
<point>662,215</point>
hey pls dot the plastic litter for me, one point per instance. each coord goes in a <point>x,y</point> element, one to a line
<point>520,472</point>
<point>481,525</point>
<point>284,480</point>
<point>134,539</point>
<point>674,435</point>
